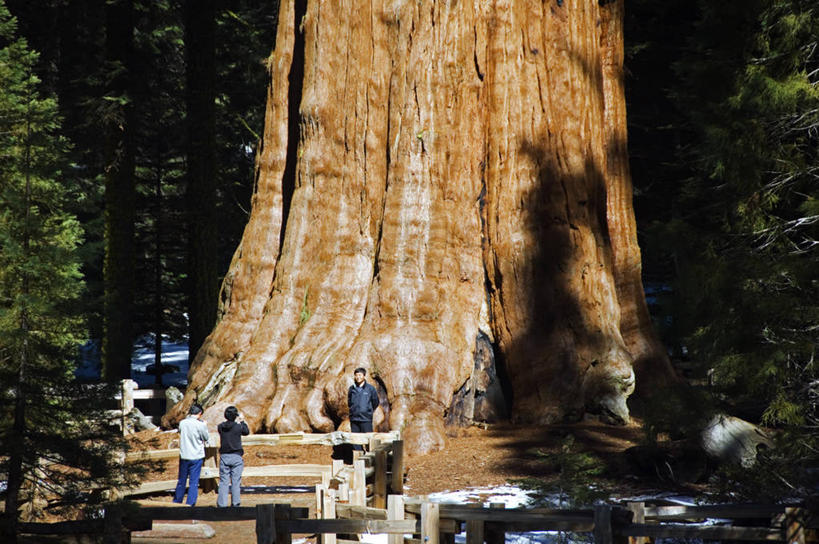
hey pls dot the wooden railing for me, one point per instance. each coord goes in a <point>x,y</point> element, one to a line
<point>384,459</point>
<point>433,523</point>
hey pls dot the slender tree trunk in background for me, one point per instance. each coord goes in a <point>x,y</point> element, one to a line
<point>203,285</point>
<point>17,437</point>
<point>120,194</point>
<point>446,176</point>
<point>159,299</point>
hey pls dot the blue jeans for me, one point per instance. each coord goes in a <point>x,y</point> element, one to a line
<point>188,468</point>
<point>230,478</point>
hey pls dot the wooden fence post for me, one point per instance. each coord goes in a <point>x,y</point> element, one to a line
<point>282,513</point>
<point>397,480</point>
<point>113,532</point>
<point>206,485</point>
<point>380,487</point>
<point>395,511</point>
<point>474,531</point>
<point>794,525</point>
<point>358,493</point>
<point>639,511</point>
<point>430,523</point>
<point>321,490</point>
<point>328,511</point>
<point>494,531</point>
<point>602,524</point>
<point>126,403</point>
<point>264,523</point>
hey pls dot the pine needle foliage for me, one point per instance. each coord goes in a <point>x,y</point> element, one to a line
<point>56,449</point>
<point>578,477</point>
<point>743,226</point>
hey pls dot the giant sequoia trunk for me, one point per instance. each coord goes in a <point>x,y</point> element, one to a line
<point>433,173</point>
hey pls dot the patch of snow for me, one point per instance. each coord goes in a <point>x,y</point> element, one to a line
<point>3,486</point>
<point>174,353</point>
<point>512,496</point>
<point>368,538</point>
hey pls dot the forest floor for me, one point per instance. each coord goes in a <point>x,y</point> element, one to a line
<point>473,457</point>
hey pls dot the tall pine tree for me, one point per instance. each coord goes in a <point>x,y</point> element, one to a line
<point>740,235</point>
<point>54,441</point>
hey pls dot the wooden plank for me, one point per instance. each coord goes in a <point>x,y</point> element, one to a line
<point>494,514</point>
<point>602,524</point>
<point>380,477</point>
<point>430,526</point>
<point>350,511</point>
<point>62,527</point>
<point>151,455</point>
<point>495,533</point>
<point>149,394</point>
<point>177,530</point>
<point>474,531</point>
<point>294,470</point>
<point>397,479</point>
<point>205,513</point>
<point>706,532</point>
<point>358,487</point>
<point>282,514</point>
<point>395,512</point>
<point>321,490</point>
<point>723,511</point>
<point>638,511</point>
<point>351,526</point>
<point>329,512</point>
<point>264,523</point>
<point>112,532</point>
<point>546,525</point>
<point>793,527</point>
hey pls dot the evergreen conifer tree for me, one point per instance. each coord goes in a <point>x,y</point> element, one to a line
<point>55,445</point>
<point>742,231</point>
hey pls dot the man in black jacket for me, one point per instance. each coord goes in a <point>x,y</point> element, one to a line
<point>362,400</point>
<point>231,463</point>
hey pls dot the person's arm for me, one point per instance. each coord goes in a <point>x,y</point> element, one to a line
<point>350,399</point>
<point>204,434</point>
<point>245,429</point>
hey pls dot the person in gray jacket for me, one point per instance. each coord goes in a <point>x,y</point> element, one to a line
<point>231,463</point>
<point>193,435</point>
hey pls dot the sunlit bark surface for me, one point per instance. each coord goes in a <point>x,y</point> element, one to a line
<point>454,170</point>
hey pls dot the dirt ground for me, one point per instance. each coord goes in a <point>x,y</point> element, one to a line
<point>473,457</point>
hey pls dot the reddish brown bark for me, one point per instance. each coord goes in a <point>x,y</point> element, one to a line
<point>452,178</point>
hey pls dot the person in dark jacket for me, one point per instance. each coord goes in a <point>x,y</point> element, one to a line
<point>362,399</point>
<point>231,463</point>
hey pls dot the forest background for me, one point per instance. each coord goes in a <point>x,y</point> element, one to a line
<point>159,111</point>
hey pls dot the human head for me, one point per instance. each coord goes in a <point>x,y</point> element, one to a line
<point>231,413</point>
<point>359,374</point>
<point>195,409</point>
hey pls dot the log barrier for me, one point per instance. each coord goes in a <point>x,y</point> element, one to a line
<point>433,523</point>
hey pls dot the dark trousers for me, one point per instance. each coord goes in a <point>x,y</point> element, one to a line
<point>360,427</point>
<point>188,468</point>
